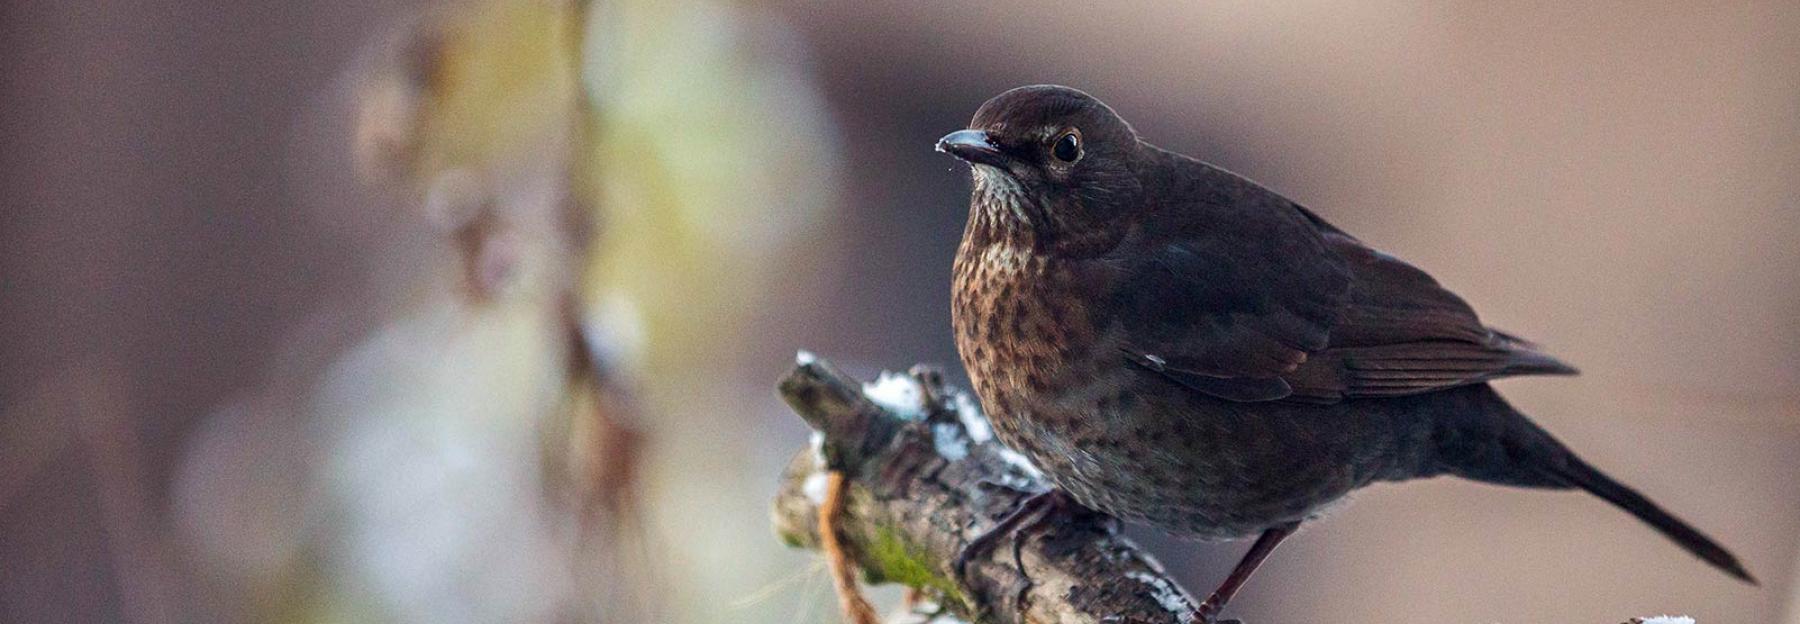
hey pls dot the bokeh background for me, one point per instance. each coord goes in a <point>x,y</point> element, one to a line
<point>470,312</point>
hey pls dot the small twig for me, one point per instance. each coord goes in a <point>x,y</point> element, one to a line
<point>843,569</point>
<point>607,496</point>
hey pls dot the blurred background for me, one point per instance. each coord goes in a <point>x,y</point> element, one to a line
<point>470,312</point>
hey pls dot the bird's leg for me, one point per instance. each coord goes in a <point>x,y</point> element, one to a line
<point>1035,508</point>
<point>1210,608</point>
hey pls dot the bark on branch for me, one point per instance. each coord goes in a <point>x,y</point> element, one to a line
<point>925,478</point>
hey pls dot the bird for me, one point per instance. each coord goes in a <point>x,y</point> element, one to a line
<point>1173,344</point>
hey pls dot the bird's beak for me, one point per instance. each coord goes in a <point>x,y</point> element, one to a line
<point>972,146</point>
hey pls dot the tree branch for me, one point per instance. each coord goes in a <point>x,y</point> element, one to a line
<point>925,477</point>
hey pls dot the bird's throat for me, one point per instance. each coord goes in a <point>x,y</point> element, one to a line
<point>1001,211</point>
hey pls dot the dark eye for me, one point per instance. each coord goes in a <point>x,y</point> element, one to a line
<point>1067,147</point>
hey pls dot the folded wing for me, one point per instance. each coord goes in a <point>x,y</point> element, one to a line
<point>1402,333</point>
<point>1256,299</point>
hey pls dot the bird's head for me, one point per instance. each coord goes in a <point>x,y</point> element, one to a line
<point>1049,159</point>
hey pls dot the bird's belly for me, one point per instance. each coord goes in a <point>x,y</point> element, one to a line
<point>1207,474</point>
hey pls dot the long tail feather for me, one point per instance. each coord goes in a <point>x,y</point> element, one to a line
<point>1580,474</point>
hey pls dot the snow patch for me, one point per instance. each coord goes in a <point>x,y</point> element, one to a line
<point>1020,462</point>
<point>950,441</point>
<point>814,487</point>
<point>1668,619</point>
<point>897,393</point>
<point>972,419</point>
<point>1165,593</point>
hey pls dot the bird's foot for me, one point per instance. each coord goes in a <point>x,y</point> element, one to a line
<point>1208,613</point>
<point>1034,509</point>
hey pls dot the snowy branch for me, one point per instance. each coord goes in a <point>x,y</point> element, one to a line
<point>925,477</point>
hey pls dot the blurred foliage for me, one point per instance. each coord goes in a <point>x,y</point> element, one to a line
<point>714,155</point>
<point>497,78</point>
<point>472,456</point>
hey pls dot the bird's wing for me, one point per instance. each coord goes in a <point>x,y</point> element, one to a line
<point>1228,297</point>
<point>1402,333</point>
<point>1257,299</point>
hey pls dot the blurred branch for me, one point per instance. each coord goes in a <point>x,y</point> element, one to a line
<point>924,478</point>
<point>133,534</point>
<point>37,426</point>
<point>87,407</point>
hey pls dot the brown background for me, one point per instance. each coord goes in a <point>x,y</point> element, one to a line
<point>1615,180</point>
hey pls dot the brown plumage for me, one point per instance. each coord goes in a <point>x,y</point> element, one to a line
<point>1174,344</point>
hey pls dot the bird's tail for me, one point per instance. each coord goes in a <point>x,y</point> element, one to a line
<point>1578,473</point>
<point>1488,440</point>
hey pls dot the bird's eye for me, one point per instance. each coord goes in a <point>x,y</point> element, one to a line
<point>1067,147</point>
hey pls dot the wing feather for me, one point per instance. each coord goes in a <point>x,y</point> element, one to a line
<point>1246,296</point>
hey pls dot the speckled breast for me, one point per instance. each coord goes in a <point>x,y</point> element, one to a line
<point>1050,379</point>
<point>1040,362</point>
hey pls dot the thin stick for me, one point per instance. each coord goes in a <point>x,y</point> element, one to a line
<point>843,570</point>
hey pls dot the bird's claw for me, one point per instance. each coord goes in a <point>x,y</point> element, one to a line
<point>961,563</point>
<point>1208,613</point>
<point>1038,505</point>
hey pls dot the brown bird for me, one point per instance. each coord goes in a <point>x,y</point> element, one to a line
<point>1173,344</point>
